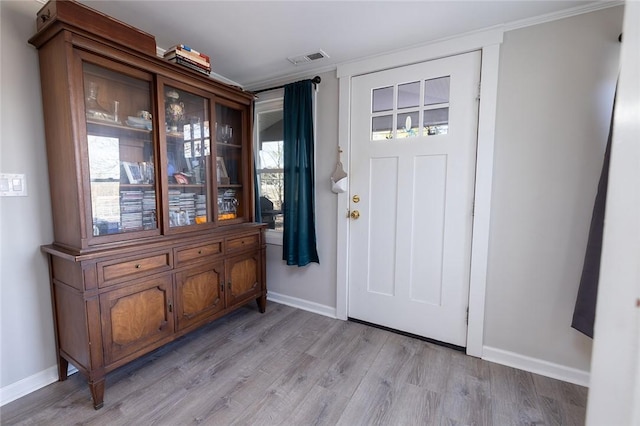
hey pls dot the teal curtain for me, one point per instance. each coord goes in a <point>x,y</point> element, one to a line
<point>299,239</point>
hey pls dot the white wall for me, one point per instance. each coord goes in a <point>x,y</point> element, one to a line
<point>315,283</point>
<point>26,333</point>
<point>555,96</point>
<point>615,370</point>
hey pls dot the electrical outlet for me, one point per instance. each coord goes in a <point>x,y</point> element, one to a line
<point>13,185</point>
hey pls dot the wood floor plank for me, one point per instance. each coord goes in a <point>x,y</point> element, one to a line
<point>510,384</point>
<point>345,374</point>
<point>291,367</point>
<point>509,413</point>
<point>321,406</point>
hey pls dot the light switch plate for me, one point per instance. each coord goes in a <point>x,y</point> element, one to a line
<point>13,185</point>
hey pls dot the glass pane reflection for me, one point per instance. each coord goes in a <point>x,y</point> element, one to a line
<point>407,125</point>
<point>381,127</point>
<point>409,95</point>
<point>436,90</point>
<point>436,121</point>
<point>382,99</point>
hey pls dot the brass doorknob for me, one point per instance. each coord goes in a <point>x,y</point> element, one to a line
<point>355,214</point>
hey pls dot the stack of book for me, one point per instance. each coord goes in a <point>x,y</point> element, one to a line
<point>131,210</point>
<point>186,56</point>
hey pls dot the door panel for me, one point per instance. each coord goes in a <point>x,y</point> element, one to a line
<point>199,294</point>
<point>135,317</point>
<point>413,165</point>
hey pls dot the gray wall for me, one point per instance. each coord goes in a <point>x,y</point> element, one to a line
<point>556,81</point>
<point>555,95</point>
<point>316,282</point>
<point>26,334</point>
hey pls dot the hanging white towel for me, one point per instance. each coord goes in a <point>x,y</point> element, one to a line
<point>339,179</point>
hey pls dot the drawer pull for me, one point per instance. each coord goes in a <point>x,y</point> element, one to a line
<point>138,266</point>
<point>199,251</point>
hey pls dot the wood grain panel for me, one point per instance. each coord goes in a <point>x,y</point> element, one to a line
<point>199,294</point>
<point>136,316</point>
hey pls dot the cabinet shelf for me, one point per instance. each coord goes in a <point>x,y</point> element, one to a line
<point>115,127</point>
<point>229,145</point>
<point>186,186</point>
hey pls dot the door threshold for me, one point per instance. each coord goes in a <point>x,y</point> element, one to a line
<point>414,336</point>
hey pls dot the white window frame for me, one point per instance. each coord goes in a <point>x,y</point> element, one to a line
<point>268,102</point>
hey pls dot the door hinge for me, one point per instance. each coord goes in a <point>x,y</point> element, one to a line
<point>467,315</point>
<point>479,88</point>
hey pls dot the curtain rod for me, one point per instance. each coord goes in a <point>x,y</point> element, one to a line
<point>315,80</point>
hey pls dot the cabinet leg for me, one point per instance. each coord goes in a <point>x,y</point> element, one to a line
<point>97,393</point>
<point>63,367</point>
<point>262,303</point>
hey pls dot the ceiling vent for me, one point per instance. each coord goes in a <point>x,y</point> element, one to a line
<point>309,57</point>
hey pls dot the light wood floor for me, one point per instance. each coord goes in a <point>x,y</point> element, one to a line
<point>291,367</point>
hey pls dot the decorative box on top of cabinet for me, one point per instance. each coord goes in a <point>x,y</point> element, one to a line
<point>151,181</point>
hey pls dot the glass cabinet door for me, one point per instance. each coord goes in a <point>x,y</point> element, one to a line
<point>188,156</point>
<point>230,163</point>
<point>120,151</point>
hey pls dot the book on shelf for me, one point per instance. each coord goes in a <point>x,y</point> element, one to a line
<point>173,58</point>
<point>190,65</point>
<point>195,59</point>
<point>187,49</point>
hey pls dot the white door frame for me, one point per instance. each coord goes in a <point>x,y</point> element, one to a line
<point>489,43</point>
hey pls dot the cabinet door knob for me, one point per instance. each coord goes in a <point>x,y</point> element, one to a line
<point>199,251</point>
<point>138,266</point>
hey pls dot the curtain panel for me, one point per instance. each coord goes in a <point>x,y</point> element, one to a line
<point>299,239</point>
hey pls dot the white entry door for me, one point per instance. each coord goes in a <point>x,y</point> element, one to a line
<point>413,151</point>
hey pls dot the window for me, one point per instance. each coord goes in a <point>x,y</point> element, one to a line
<point>270,162</point>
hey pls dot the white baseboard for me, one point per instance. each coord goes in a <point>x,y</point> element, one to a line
<point>305,305</point>
<point>537,366</point>
<point>30,384</point>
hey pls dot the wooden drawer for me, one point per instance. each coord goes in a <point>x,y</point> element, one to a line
<point>119,270</point>
<point>245,242</point>
<point>194,254</point>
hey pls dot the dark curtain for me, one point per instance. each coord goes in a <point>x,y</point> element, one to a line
<point>299,239</point>
<point>584,313</point>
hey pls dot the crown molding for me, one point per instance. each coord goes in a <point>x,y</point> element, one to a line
<point>278,80</point>
<point>561,14</point>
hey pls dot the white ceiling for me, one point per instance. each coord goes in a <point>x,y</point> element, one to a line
<point>249,41</point>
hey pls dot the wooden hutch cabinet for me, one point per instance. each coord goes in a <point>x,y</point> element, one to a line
<point>151,180</point>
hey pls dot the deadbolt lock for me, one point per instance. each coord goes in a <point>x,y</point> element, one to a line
<point>356,198</point>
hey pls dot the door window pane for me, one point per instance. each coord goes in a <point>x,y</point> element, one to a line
<point>436,90</point>
<point>436,121</point>
<point>407,125</point>
<point>409,95</point>
<point>382,99</point>
<point>381,127</point>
